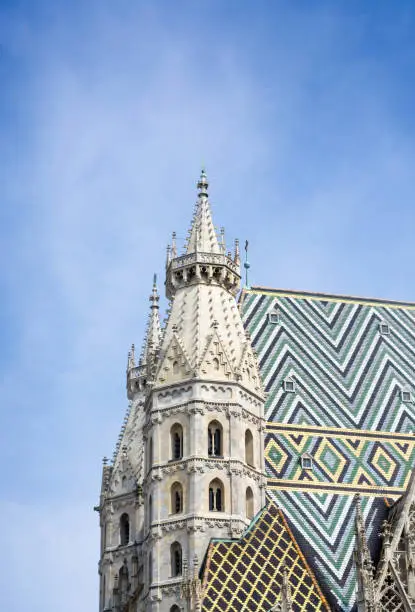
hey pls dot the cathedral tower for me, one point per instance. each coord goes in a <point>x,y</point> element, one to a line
<point>197,412</point>
<point>204,416</point>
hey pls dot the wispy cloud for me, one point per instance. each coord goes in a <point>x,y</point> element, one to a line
<point>110,111</point>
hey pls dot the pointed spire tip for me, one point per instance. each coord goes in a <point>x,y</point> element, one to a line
<point>203,184</point>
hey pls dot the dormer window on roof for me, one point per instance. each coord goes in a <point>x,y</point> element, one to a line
<point>406,396</point>
<point>307,462</point>
<point>289,385</point>
<point>384,329</point>
<point>274,317</point>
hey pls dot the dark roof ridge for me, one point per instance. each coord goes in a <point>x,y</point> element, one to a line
<point>332,296</point>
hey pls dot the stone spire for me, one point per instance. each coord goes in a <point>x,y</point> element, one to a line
<point>202,237</point>
<point>140,375</point>
<point>204,336</point>
<point>131,358</point>
<point>284,603</point>
<point>153,332</point>
<point>205,259</point>
<point>286,600</point>
<point>366,585</point>
<point>237,255</point>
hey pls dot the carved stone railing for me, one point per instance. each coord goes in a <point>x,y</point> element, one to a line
<point>218,259</point>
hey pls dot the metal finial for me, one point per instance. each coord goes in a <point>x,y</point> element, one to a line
<point>247,265</point>
<point>203,184</point>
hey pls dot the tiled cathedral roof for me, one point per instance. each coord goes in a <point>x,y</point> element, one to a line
<point>247,574</point>
<point>339,374</point>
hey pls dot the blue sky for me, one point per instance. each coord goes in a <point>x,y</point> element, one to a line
<point>302,113</point>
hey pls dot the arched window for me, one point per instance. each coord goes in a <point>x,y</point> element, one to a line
<point>150,568</point>
<point>176,498</point>
<point>176,559</point>
<point>150,511</point>
<point>105,536</point>
<point>134,572</point>
<point>249,497</point>
<point>103,587</point>
<point>175,608</point>
<point>123,582</point>
<point>150,453</point>
<point>124,529</point>
<point>176,367</point>
<point>215,439</point>
<point>176,435</point>
<point>216,496</point>
<point>215,363</point>
<point>249,448</point>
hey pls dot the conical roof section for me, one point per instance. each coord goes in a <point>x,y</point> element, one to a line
<point>153,332</point>
<point>202,236</point>
<point>204,336</point>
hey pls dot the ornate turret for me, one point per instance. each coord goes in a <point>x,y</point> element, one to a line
<point>205,259</point>
<point>204,336</point>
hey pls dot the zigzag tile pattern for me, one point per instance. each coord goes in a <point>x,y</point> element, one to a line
<point>323,526</point>
<point>348,376</point>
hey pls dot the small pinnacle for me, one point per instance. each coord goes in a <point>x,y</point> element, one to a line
<point>154,297</point>
<point>173,245</point>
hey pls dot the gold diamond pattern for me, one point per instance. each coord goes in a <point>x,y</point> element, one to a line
<point>247,574</point>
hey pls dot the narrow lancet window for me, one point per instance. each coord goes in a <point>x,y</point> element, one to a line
<point>215,439</point>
